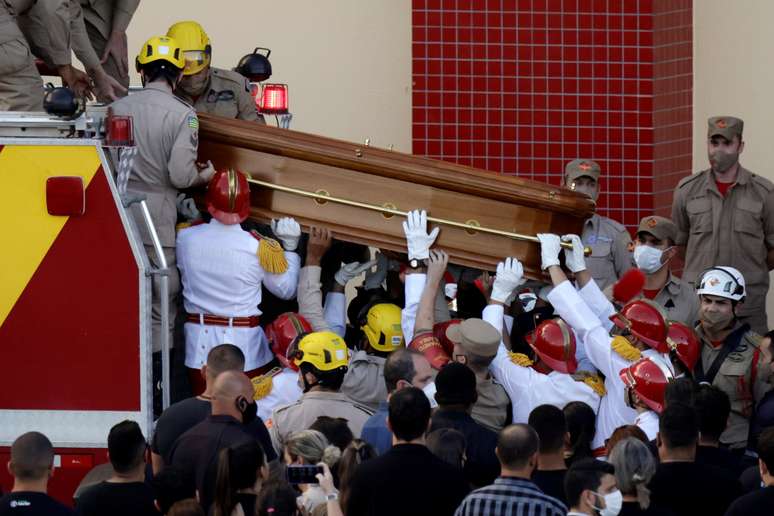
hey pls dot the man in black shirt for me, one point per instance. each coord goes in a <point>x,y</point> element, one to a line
<point>125,493</point>
<point>456,393</point>
<point>680,484</point>
<point>195,452</point>
<point>31,464</point>
<point>761,501</point>
<point>185,414</point>
<point>713,408</point>
<point>408,479</point>
<point>551,427</point>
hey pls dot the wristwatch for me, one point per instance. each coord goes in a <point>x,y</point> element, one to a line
<point>414,263</point>
<point>331,497</point>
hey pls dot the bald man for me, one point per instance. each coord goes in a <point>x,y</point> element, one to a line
<point>196,451</point>
<point>31,465</point>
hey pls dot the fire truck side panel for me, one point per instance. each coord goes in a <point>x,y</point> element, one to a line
<point>74,303</point>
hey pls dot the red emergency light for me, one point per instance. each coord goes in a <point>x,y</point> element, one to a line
<point>274,99</point>
<point>119,131</point>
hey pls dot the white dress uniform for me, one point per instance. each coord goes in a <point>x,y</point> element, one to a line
<point>284,391</point>
<point>648,423</point>
<point>528,388</point>
<point>613,411</point>
<point>222,276</point>
<point>413,287</point>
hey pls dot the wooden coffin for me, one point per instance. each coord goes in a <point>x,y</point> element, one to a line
<point>398,181</point>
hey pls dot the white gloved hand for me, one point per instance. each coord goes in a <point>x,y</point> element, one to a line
<point>417,237</point>
<point>349,271</point>
<point>549,249</point>
<point>186,208</point>
<point>206,171</point>
<point>375,278</point>
<point>574,258</point>
<point>288,231</point>
<point>510,276</point>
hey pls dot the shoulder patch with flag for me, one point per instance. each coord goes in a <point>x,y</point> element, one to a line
<point>193,122</point>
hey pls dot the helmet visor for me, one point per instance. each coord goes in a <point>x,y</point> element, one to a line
<point>195,61</point>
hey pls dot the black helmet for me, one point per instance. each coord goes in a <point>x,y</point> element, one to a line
<point>61,101</point>
<point>256,66</point>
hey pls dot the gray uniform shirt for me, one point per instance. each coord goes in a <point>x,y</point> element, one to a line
<point>166,133</point>
<point>610,249</point>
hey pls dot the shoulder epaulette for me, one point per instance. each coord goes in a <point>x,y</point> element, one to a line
<point>688,179</point>
<point>596,383</point>
<point>762,181</point>
<point>624,348</point>
<point>270,254</point>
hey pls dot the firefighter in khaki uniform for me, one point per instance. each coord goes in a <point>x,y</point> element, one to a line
<point>209,89</point>
<point>731,356</point>
<point>322,359</point>
<point>653,250</point>
<point>106,22</point>
<point>609,241</point>
<point>166,133</point>
<point>726,215</point>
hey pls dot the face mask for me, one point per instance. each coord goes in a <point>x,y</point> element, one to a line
<point>194,85</point>
<point>722,161</point>
<point>429,391</point>
<point>713,322</point>
<point>647,258</point>
<point>613,503</point>
<point>588,190</point>
<point>249,410</point>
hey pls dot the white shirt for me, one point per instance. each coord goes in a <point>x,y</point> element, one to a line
<point>222,275</point>
<point>333,317</point>
<point>413,285</point>
<point>648,423</point>
<point>284,391</point>
<point>528,388</point>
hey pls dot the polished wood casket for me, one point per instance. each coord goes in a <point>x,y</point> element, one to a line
<point>362,182</point>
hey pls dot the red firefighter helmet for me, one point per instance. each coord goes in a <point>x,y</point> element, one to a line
<point>648,378</point>
<point>646,321</point>
<point>282,332</point>
<point>439,331</point>
<point>554,344</point>
<point>683,341</point>
<point>228,196</point>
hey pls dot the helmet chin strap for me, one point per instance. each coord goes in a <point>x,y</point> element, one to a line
<point>308,386</point>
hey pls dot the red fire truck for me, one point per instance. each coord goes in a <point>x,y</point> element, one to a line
<point>75,291</point>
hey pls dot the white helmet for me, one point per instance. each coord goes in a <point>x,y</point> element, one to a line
<point>722,281</point>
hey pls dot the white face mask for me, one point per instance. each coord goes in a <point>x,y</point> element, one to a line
<point>647,258</point>
<point>613,503</point>
<point>429,391</point>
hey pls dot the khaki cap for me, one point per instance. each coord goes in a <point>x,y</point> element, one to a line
<point>476,336</point>
<point>582,167</point>
<point>725,126</point>
<point>660,227</point>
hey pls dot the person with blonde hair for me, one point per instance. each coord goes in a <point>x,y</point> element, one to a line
<point>309,447</point>
<point>634,467</point>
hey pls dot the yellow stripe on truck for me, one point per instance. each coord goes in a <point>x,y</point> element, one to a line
<point>27,231</point>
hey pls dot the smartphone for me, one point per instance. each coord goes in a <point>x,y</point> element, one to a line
<point>303,474</point>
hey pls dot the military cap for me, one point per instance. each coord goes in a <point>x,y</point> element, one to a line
<point>582,167</point>
<point>476,336</point>
<point>725,126</point>
<point>660,227</point>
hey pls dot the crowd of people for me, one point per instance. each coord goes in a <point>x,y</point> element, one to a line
<point>438,389</point>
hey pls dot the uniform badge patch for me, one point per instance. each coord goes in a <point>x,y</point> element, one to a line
<point>193,122</point>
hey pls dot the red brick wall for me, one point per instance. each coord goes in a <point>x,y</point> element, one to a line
<point>524,86</point>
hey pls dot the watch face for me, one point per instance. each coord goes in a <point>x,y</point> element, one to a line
<point>414,263</point>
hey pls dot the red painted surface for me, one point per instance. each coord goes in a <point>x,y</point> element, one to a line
<point>76,462</point>
<point>524,86</point>
<point>71,342</point>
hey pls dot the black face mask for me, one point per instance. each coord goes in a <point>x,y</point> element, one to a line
<point>249,410</point>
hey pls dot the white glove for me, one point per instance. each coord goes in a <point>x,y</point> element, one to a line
<point>186,207</point>
<point>417,238</point>
<point>288,231</point>
<point>350,271</point>
<point>574,258</point>
<point>510,276</point>
<point>549,249</point>
<point>375,278</point>
<point>207,171</point>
